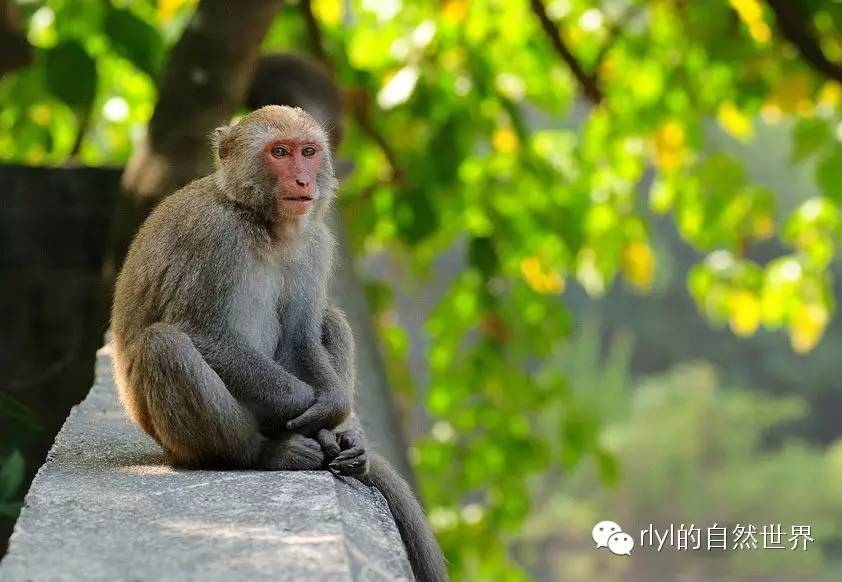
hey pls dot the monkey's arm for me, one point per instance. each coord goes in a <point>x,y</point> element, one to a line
<point>330,365</point>
<point>345,446</point>
<point>269,391</point>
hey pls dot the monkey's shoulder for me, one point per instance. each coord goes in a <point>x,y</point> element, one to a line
<point>196,218</point>
<point>192,245</point>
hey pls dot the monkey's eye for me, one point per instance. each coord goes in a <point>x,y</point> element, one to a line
<point>279,152</point>
<point>308,151</point>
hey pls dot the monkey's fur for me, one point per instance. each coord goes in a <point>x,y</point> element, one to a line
<point>225,350</point>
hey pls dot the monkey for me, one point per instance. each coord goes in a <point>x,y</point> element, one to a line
<point>226,351</point>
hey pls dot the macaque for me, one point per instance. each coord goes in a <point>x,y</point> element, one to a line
<point>226,351</point>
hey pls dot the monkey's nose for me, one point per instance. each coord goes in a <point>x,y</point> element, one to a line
<point>302,183</point>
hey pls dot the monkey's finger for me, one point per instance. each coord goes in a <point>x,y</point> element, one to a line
<point>328,441</point>
<point>309,417</point>
<point>349,439</point>
<point>354,467</point>
<point>350,453</point>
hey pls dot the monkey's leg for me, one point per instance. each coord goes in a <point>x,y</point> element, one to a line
<point>194,416</point>
<point>196,419</point>
<point>351,457</point>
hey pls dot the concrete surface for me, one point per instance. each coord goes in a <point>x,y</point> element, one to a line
<point>105,506</point>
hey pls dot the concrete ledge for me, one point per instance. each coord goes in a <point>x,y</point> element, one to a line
<point>105,506</point>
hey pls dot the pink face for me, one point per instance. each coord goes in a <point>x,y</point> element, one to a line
<point>295,164</point>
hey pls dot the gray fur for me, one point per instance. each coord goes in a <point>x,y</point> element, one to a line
<point>225,349</point>
<point>216,321</point>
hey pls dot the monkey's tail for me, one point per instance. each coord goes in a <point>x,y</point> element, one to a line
<point>424,553</point>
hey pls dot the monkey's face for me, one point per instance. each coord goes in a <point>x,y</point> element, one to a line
<point>277,161</point>
<point>294,164</point>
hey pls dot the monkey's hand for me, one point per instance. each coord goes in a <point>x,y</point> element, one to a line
<point>288,400</point>
<point>351,458</point>
<point>330,409</point>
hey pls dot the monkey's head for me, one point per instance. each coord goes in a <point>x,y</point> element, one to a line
<point>277,161</point>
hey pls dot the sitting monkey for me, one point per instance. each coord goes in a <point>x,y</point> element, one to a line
<point>225,350</point>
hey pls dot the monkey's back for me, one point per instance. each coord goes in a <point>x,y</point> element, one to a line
<point>173,272</point>
<point>180,266</point>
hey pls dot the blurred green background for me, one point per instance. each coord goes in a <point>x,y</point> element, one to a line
<point>599,239</point>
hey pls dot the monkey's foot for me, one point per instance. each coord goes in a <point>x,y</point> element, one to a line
<point>294,452</point>
<point>352,459</point>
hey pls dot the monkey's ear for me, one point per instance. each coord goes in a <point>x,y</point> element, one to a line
<point>221,139</point>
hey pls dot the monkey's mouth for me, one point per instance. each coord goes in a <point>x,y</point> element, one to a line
<point>297,205</point>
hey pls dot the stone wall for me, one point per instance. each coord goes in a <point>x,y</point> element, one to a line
<point>105,506</point>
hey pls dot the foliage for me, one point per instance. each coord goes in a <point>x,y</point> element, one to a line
<point>11,478</point>
<point>12,462</point>
<point>467,132</point>
<point>690,448</point>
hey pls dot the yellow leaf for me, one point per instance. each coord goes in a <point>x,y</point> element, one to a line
<point>36,154</point>
<point>751,13</point>
<point>763,226</point>
<point>454,10</point>
<point>748,10</point>
<point>168,8</point>
<point>744,312</point>
<point>760,32</point>
<point>792,93</point>
<point>638,264</point>
<point>41,114</point>
<point>670,150</point>
<point>734,121</point>
<point>807,327</point>
<point>504,140</point>
<point>545,282</point>
<point>328,11</point>
<point>830,94</point>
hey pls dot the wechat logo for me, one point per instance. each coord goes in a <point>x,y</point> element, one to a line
<point>608,534</point>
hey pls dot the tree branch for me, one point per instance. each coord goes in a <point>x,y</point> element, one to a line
<point>587,82</point>
<point>796,30</point>
<point>314,34</point>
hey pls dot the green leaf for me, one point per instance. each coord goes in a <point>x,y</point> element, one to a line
<point>71,74</point>
<point>808,136</point>
<point>135,40</point>
<point>10,509</point>
<point>379,295</point>
<point>608,467</point>
<point>829,175</point>
<point>11,475</point>
<point>483,255</point>
<point>579,433</point>
<point>418,218</point>
<point>17,412</point>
